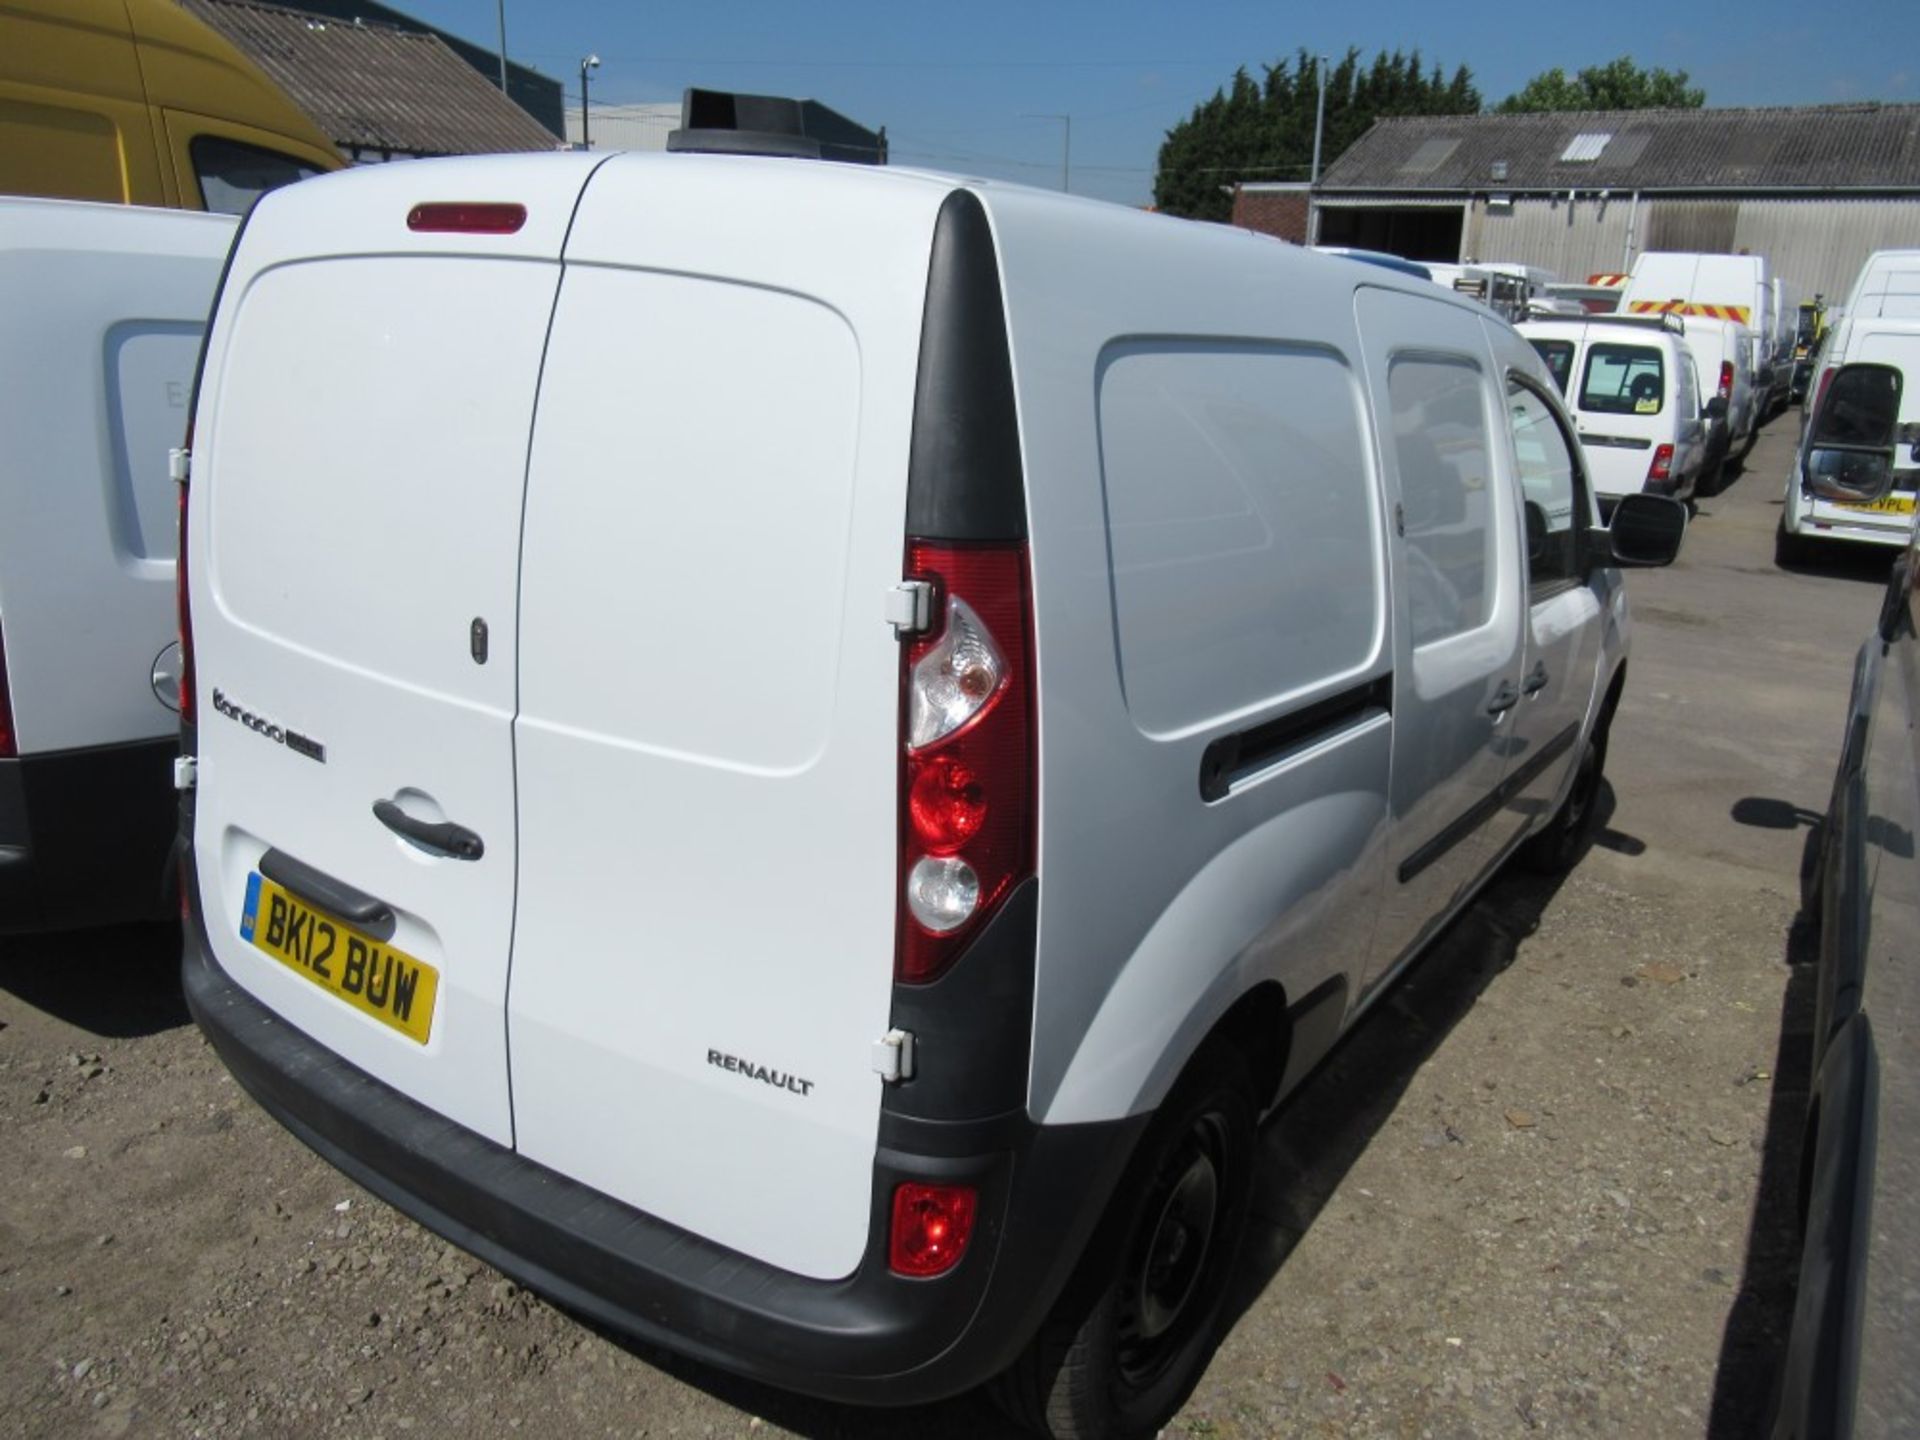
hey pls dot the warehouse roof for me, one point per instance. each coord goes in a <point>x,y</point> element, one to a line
<point>375,87</point>
<point>1814,147</point>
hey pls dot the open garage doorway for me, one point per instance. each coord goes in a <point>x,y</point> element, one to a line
<point>1415,232</point>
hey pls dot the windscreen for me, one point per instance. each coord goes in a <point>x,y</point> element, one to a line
<point>1624,380</point>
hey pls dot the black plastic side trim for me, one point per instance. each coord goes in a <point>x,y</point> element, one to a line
<point>1489,805</point>
<point>964,474</point>
<point>336,897</point>
<point>1231,758</point>
<point>973,1026</point>
<point>1820,1376</point>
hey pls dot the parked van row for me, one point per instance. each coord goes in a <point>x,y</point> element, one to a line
<point>833,737</point>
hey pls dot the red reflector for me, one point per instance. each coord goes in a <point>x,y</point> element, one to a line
<point>467,217</point>
<point>1662,467</point>
<point>931,1227</point>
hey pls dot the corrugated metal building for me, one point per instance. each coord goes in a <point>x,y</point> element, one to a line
<point>1815,188</point>
<point>381,92</point>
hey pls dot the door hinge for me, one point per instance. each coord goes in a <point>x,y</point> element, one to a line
<point>893,1056</point>
<point>179,466</point>
<point>910,607</point>
<point>186,772</point>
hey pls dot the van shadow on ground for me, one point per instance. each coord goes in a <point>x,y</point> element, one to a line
<point>1755,1341</point>
<point>119,982</point>
<point>1306,1148</point>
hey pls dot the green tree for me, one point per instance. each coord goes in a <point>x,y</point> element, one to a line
<point>1617,85</point>
<point>1263,130</point>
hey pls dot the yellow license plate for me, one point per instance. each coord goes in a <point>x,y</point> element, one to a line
<point>370,975</point>
<point>1885,505</point>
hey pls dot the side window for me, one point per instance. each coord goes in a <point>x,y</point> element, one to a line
<point>1559,357</point>
<point>1623,380</point>
<point>232,175</point>
<point>1689,387</point>
<point>1440,442</point>
<point>1550,488</point>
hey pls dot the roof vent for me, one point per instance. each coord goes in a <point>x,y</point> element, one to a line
<point>1584,149</point>
<point>1498,170</point>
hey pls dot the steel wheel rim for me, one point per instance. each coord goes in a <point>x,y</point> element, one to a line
<point>1167,1267</point>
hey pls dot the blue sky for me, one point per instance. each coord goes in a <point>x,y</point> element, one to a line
<point>956,85</point>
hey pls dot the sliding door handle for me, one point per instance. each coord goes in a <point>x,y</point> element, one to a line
<point>1504,699</point>
<point>1536,678</point>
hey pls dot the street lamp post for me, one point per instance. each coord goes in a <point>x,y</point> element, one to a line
<point>592,62</point>
<point>1066,147</point>
<point>502,8</point>
<point>1319,119</point>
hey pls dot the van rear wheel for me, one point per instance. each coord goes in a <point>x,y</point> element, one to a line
<point>1136,1326</point>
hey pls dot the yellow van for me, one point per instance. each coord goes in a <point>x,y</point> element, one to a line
<point>140,102</point>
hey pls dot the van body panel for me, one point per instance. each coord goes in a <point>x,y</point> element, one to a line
<point>707,743</point>
<point>1072,309</point>
<point>104,307</point>
<point>335,309</point>
<point>105,310</point>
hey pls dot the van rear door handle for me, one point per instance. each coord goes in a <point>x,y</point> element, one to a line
<point>438,837</point>
<point>1504,699</point>
<point>1536,678</point>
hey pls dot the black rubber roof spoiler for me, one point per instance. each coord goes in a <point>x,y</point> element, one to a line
<point>721,122</point>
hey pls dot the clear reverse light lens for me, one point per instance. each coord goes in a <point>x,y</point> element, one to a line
<point>955,679</point>
<point>942,892</point>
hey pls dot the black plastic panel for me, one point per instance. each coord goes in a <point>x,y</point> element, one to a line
<point>964,475</point>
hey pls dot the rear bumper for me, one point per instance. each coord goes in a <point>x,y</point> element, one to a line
<point>84,835</point>
<point>871,1338</point>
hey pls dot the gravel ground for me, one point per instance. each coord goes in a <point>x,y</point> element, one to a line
<point>1544,1188</point>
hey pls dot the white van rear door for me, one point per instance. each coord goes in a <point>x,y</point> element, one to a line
<point>1900,348</point>
<point>707,742</point>
<point>359,466</point>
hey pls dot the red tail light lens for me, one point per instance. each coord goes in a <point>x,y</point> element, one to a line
<point>1662,467</point>
<point>466,217</point>
<point>931,1227</point>
<point>967,798</point>
<point>9,744</point>
<point>1726,379</point>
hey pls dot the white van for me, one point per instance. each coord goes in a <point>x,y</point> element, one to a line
<point>104,307</point>
<point>1720,350</point>
<point>800,749</point>
<point>1635,399</point>
<point>1807,518</point>
<point>1715,287</point>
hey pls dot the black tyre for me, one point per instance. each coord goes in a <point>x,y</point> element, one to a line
<point>1137,1324</point>
<point>1791,551</point>
<point>1558,848</point>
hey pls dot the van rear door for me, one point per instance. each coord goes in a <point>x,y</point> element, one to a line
<point>1899,346</point>
<point>707,744</point>
<point>360,457</point>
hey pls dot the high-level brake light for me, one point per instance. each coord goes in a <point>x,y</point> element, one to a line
<point>466,217</point>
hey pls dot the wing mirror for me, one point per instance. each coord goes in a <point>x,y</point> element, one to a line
<point>1645,532</point>
<point>1717,408</point>
<point>1850,443</point>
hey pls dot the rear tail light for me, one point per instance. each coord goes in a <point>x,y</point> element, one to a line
<point>967,802</point>
<point>931,1227</point>
<point>9,744</point>
<point>1662,467</point>
<point>1726,379</point>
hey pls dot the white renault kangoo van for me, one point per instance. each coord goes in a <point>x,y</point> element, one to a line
<point>799,750</point>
